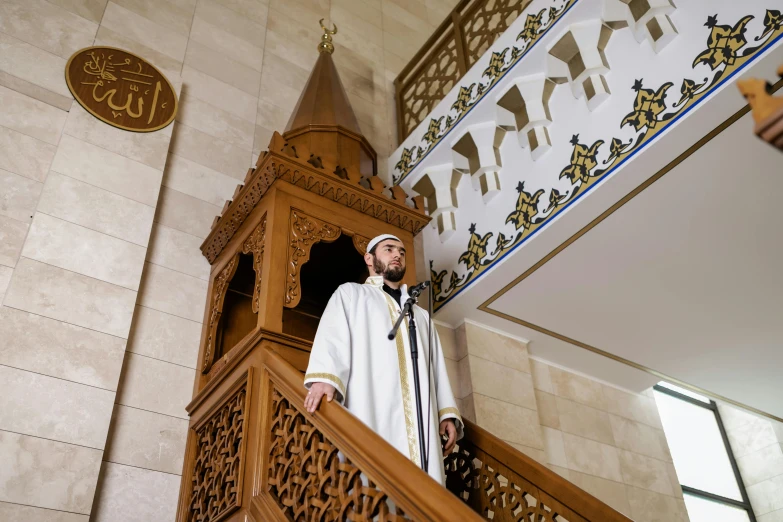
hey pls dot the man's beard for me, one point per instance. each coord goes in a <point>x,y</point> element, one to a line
<point>393,274</point>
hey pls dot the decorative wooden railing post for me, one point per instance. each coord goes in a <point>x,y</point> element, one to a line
<point>459,37</point>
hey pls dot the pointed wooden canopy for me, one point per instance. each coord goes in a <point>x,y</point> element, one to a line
<point>323,122</point>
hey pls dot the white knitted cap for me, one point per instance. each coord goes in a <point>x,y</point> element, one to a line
<point>378,239</point>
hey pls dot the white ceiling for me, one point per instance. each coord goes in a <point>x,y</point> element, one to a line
<point>684,279</point>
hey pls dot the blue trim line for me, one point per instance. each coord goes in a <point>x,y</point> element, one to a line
<point>605,176</point>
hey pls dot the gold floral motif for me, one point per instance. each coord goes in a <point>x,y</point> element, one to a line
<point>723,43</point>
<point>526,209</point>
<point>648,105</point>
<point>583,160</point>
<point>477,249</point>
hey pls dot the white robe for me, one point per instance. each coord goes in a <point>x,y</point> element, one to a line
<point>373,375</point>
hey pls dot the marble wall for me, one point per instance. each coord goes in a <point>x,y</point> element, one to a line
<point>607,441</point>
<point>757,444</point>
<point>102,284</point>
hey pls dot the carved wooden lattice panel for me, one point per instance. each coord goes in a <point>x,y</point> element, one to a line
<point>484,25</point>
<point>311,480</point>
<point>476,478</point>
<point>217,472</point>
<point>422,92</point>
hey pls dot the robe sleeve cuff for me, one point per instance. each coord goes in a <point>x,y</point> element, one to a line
<point>453,413</point>
<point>328,378</point>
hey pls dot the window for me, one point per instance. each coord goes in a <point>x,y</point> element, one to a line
<point>709,477</point>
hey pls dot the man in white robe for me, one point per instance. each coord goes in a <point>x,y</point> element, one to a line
<point>353,360</point>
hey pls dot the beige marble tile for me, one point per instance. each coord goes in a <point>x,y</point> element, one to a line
<point>577,388</point>
<point>96,209</point>
<point>105,169</point>
<point>237,49</point>
<point>42,406</point>
<point>468,410</point>
<point>5,281</point>
<point>282,81</point>
<point>648,506</point>
<point>255,10</point>
<point>19,196</point>
<point>147,440</point>
<point>49,347</point>
<point>306,12</point>
<point>155,386</point>
<point>452,370</point>
<point>16,57</point>
<point>534,453</point>
<point>640,438</point>
<point>145,31</point>
<point>31,117</point>
<point>448,342</point>
<point>58,294</point>
<point>352,23</point>
<point>198,181</point>
<point>554,446</point>
<point>204,149</point>
<point>508,421</point>
<point>645,472</point>
<point>121,487</point>
<point>173,292</point>
<point>501,382</point>
<point>750,437</point>
<point>185,213</point>
<point>761,465</point>
<point>47,26</point>
<point>369,12</point>
<point>219,94</point>
<point>171,16</point>
<point>585,421</point>
<point>594,458</point>
<point>19,513</point>
<point>47,474</point>
<point>438,10</point>
<point>178,251</point>
<point>497,348</point>
<point>632,406</point>
<point>84,251</point>
<point>217,65</point>
<point>563,472</point>
<point>261,140</point>
<point>772,516</point>
<point>413,12</point>
<point>34,91</point>
<point>541,378</point>
<point>400,40</point>
<point>216,122</point>
<point>170,67</point>
<point>273,115</point>
<point>607,491</point>
<point>292,39</point>
<point>90,9</point>
<point>232,22</point>
<point>25,156</point>
<point>547,409</point>
<point>164,336</point>
<point>465,385</point>
<point>147,148</point>
<point>766,496</point>
<point>12,236</point>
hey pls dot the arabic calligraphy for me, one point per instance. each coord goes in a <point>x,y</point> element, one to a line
<point>121,89</point>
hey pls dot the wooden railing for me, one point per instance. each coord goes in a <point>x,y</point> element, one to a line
<point>254,454</point>
<point>500,483</point>
<point>468,31</point>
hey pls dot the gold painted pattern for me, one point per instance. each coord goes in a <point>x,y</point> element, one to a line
<point>329,376</point>
<point>413,447</point>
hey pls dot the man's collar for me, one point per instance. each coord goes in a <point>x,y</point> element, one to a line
<point>376,281</point>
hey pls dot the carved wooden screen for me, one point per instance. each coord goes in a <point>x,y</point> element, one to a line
<point>497,493</point>
<point>311,480</point>
<point>455,46</point>
<point>486,22</point>
<point>219,442</point>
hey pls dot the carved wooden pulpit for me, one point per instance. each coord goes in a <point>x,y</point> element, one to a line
<point>295,230</point>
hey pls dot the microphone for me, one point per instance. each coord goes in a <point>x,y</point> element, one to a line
<point>418,289</point>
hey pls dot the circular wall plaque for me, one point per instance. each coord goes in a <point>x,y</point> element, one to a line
<point>121,89</point>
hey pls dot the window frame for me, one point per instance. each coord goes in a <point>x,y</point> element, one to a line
<point>713,406</point>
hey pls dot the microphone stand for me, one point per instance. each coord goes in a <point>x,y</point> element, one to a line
<point>407,309</point>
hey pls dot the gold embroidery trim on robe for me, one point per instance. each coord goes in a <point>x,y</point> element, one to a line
<point>413,447</point>
<point>329,376</point>
<point>446,411</point>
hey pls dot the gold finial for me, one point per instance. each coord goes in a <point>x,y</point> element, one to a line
<point>326,45</point>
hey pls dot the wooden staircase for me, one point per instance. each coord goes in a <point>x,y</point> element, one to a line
<point>256,455</point>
